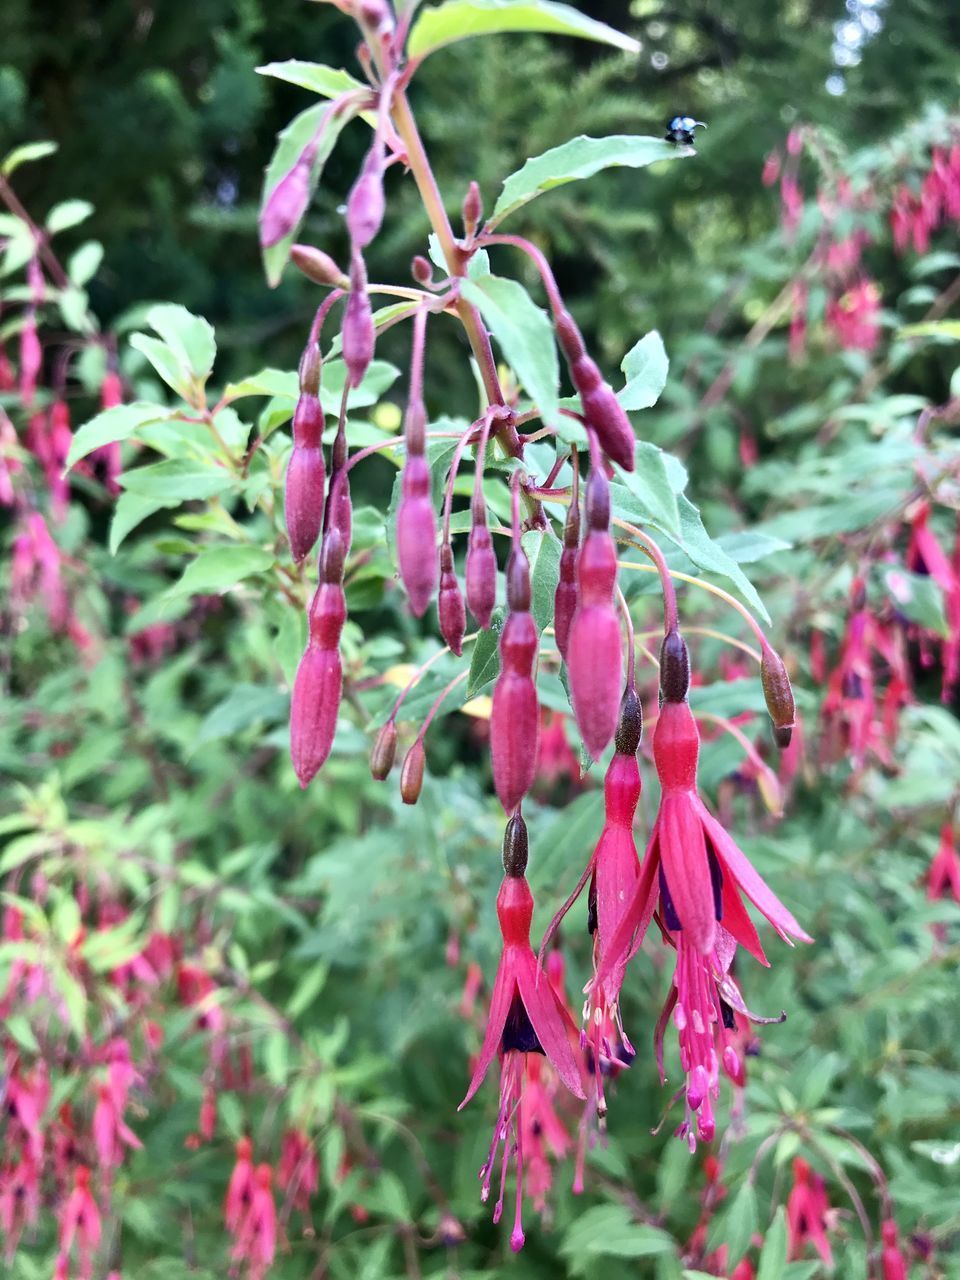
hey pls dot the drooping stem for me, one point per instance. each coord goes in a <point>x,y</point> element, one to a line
<point>538,259</point>
<point>421,671</point>
<point>482,425</point>
<point>438,703</point>
<point>323,311</point>
<point>631,649</point>
<point>650,548</point>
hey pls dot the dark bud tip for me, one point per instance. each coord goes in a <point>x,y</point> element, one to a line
<point>310,366</point>
<point>411,775</point>
<point>783,735</point>
<point>630,724</point>
<point>332,556</point>
<point>515,848</point>
<point>422,271</point>
<point>518,582</point>
<point>318,266</point>
<point>571,528</point>
<point>597,500</point>
<point>384,751</point>
<point>778,695</point>
<point>569,336</point>
<point>674,668</point>
<point>472,209</point>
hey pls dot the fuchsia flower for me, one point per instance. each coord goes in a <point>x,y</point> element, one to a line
<point>892,1259</point>
<point>240,1187</point>
<point>854,316</point>
<point>80,1225</point>
<point>808,1212</point>
<point>298,1173</point>
<point>256,1236</point>
<point>943,876</point>
<point>526,1017</point>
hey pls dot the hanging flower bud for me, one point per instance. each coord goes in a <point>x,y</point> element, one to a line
<point>417,534</point>
<point>411,775</point>
<point>481,568</point>
<point>365,205</point>
<point>376,15</point>
<point>303,499</point>
<point>450,607</point>
<point>289,199</point>
<point>340,514</point>
<point>318,686</point>
<point>778,696</point>
<point>31,359</point>
<point>359,335</point>
<point>565,596</point>
<point>674,668</point>
<point>472,209</point>
<point>601,408</point>
<point>422,271</point>
<point>318,266</point>
<point>516,847</point>
<point>111,390</point>
<point>384,751</point>
<point>309,371</point>
<point>595,650</point>
<point>515,716</point>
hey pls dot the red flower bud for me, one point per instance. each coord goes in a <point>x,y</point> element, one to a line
<point>315,705</point>
<point>595,651</point>
<point>565,598</point>
<point>515,717</point>
<point>365,206</point>
<point>308,421</point>
<point>303,499</point>
<point>518,581</point>
<point>603,413</point>
<point>481,573</point>
<point>318,266</point>
<point>288,201</point>
<point>451,611</point>
<point>411,774</point>
<point>31,359</point>
<point>569,337</point>
<point>421,270</point>
<point>417,535</point>
<point>472,209</point>
<point>358,335</point>
<point>384,751</point>
<point>111,390</point>
<point>341,508</point>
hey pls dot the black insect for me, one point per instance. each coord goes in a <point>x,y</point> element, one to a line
<point>680,130</point>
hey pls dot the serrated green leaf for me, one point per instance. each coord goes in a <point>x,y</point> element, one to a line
<point>216,569</point>
<point>164,361</point>
<point>461,19</point>
<point>525,336</point>
<point>189,337</point>
<point>118,423</point>
<point>579,158</point>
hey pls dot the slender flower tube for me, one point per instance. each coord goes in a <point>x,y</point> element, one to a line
<point>358,333</point>
<point>306,474</point>
<point>595,652</point>
<point>566,596</point>
<point>526,1017</point>
<point>289,199</point>
<point>416,522</point>
<point>807,1210</point>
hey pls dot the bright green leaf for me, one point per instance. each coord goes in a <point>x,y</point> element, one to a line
<point>189,337</point>
<point>83,265</point>
<point>327,81</point>
<point>179,480</point>
<point>543,551</point>
<point>460,19</point>
<point>70,213</point>
<point>132,509</point>
<point>216,569</point>
<point>773,1256</point>
<point>23,155</point>
<point>485,660</point>
<point>645,367</point>
<point>118,423</point>
<point>650,485</point>
<point>525,336</point>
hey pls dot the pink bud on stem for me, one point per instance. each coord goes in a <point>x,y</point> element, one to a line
<point>472,209</point>
<point>318,686</point>
<point>451,610</point>
<point>358,334</point>
<point>595,652</point>
<point>365,205</point>
<point>318,266</point>
<point>566,595</point>
<point>288,201</point>
<point>515,716</point>
<point>481,568</point>
<point>778,695</point>
<point>416,523</point>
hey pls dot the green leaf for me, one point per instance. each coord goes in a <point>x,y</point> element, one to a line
<point>179,480</point>
<point>773,1256</point>
<point>246,705</point>
<point>460,19</point>
<point>609,1231</point>
<point>118,423</point>
<point>543,551</point>
<point>164,361</point>
<point>485,662</point>
<point>189,337</point>
<point>75,308</point>
<point>525,336</point>
<point>645,367</point>
<point>650,485</point>
<point>709,555</point>
<point>83,265</point>
<point>477,265</point>
<point>23,155</point>
<point>326,81</point>
<point>579,158</point>
<point>290,144</point>
<point>219,568</point>
<point>132,509</point>
<point>736,1225</point>
<point>70,213</point>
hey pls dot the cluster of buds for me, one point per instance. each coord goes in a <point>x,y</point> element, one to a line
<point>921,205</point>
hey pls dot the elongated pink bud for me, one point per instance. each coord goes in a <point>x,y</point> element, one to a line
<point>310,370</point>
<point>515,715</point>
<point>594,653</point>
<point>421,270</point>
<point>315,705</point>
<point>318,266</point>
<point>365,206</point>
<point>481,573</point>
<point>451,610</point>
<point>341,508</point>
<point>384,751</point>
<point>565,598</point>
<point>411,773</point>
<point>303,499</point>
<point>358,335</point>
<point>472,209</point>
<point>288,201</point>
<point>31,359</point>
<point>603,413</point>
<point>308,421</point>
<point>417,535</point>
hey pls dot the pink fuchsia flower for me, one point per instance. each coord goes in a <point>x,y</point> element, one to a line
<point>692,866</point>
<point>239,1195</point>
<point>808,1214</point>
<point>854,317</point>
<point>36,570</point>
<point>558,760</point>
<point>943,876</point>
<point>526,1017</point>
<point>10,464</point>
<point>893,1262</point>
<point>256,1242</point>
<point>19,1202</point>
<point>298,1173</point>
<point>924,552</point>
<point>80,1224</point>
